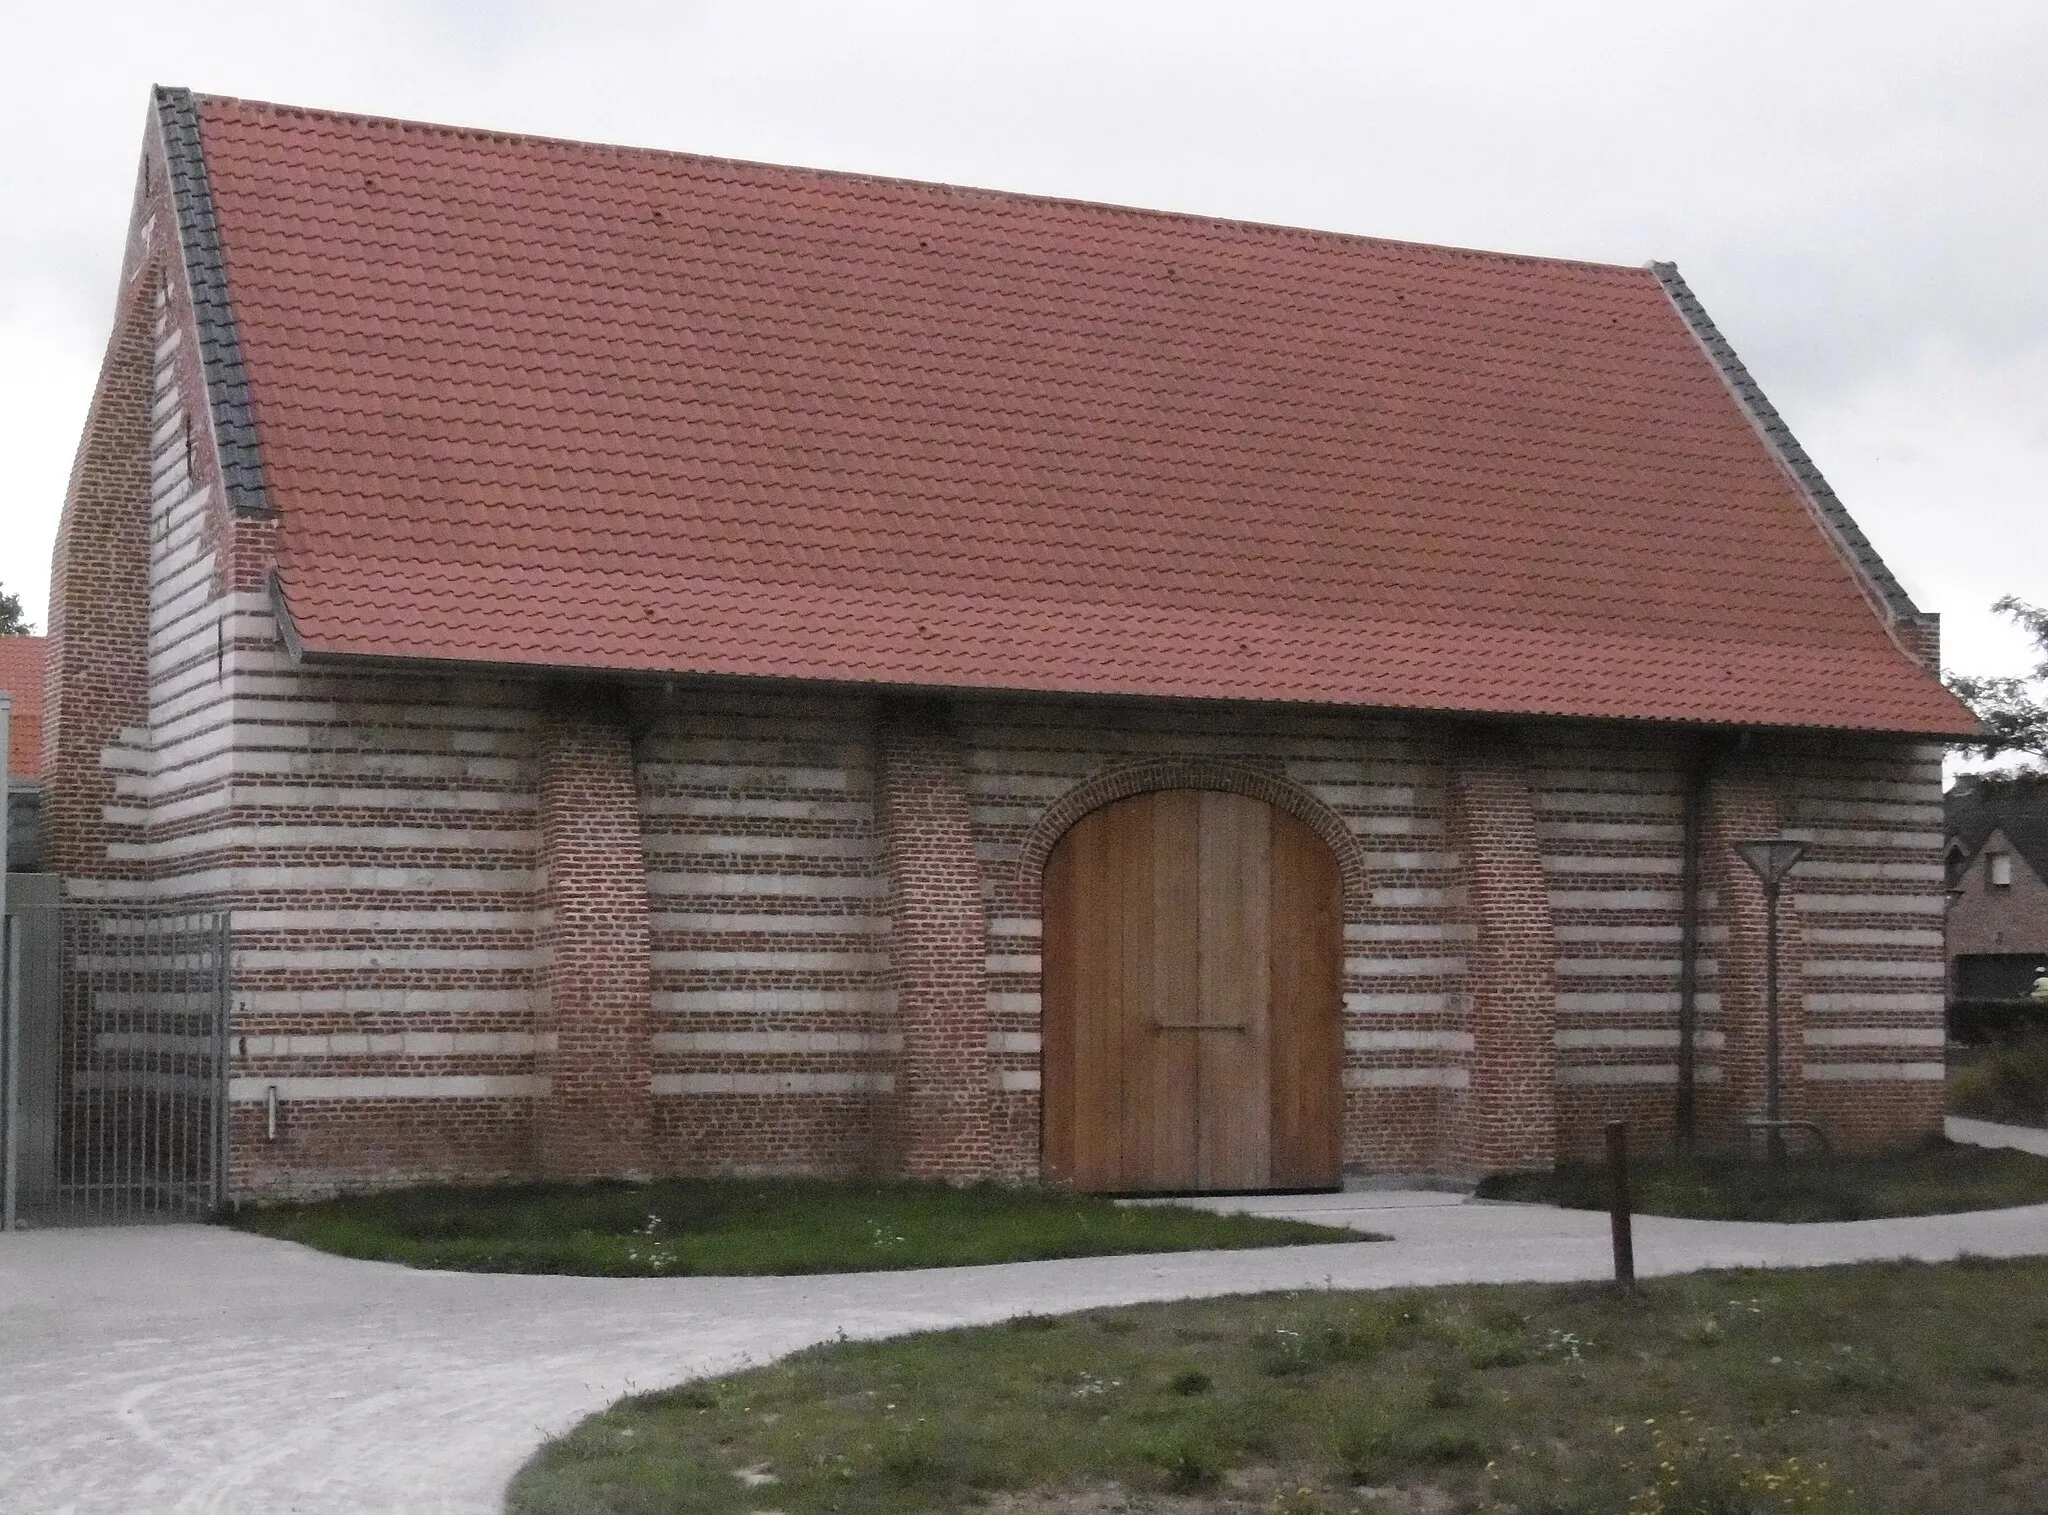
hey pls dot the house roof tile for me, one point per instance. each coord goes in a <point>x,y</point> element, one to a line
<point>544,403</point>
<point>21,677</point>
<point>2015,805</point>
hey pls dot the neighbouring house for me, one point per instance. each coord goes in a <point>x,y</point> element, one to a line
<point>21,680</point>
<point>1998,901</point>
<point>676,665</point>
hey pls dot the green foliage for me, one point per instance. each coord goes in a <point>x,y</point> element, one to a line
<point>2006,1081</point>
<point>1290,1351</point>
<point>1937,1179</point>
<point>679,1227</point>
<point>1693,1472</point>
<point>1189,1461</point>
<point>12,622</point>
<point>2013,710</point>
<point>1718,1394</point>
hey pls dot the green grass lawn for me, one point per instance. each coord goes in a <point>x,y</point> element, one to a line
<point>1938,1179</point>
<point>700,1226</point>
<point>1896,1388</point>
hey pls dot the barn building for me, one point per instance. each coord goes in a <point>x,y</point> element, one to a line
<point>671,665</point>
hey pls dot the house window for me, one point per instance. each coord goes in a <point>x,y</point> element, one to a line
<point>2001,870</point>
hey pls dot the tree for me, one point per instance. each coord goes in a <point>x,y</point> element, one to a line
<point>2013,710</point>
<point>12,622</point>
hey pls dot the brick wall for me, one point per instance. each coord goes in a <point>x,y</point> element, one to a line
<point>1604,806</point>
<point>1609,805</point>
<point>1744,803</point>
<point>1375,788</point>
<point>96,667</point>
<point>1866,917</point>
<point>776,1039</point>
<point>938,946</point>
<point>594,1007</point>
<point>1510,1104</point>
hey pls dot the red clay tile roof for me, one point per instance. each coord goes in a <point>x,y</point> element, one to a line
<point>536,402</point>
<point>21,676</point>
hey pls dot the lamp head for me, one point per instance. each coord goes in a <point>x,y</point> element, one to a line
<point>1771,858</point>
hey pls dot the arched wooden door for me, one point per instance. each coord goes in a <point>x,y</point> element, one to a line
<point>1193,960</point>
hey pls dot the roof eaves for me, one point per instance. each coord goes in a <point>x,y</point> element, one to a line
<point>316,655</point>
<point>206,277</point>
<point>1834,516</point>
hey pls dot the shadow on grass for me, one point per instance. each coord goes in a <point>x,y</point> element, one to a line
<point>1942,1178</point>
<point>679,1227</point>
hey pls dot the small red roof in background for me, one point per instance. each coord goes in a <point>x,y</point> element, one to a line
<point>534,402</point>
<point>21,677</point>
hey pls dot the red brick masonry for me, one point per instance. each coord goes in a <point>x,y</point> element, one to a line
<point>96,675</point>
<point>1511,1106</point>
<point>1743,805</point>
<point>938,946</point>
<point>595,1054</point>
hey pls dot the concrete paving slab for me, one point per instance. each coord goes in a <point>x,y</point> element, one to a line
<point>1984,1133</point>
<point>1353,1208</point>
<point>188,1369</point>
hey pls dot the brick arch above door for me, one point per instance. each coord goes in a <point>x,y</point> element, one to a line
<point>1122,780</point>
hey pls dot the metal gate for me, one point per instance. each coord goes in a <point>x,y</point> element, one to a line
<point>115,1042</point>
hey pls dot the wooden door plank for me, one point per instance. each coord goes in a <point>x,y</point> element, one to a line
<point>1127,903</point>
<point>1234,950</point>
<point>1098,1082</point>
<point>1307,968</point>
<point>1172,1120</point>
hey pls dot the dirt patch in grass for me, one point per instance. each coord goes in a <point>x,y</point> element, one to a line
<point>678,1227</point>
<point>1897,1388</point>
<point>1940,1179</point>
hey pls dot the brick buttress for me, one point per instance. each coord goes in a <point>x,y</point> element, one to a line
<point>1745,805</point>
<point>1511,1106</point>
<point>595,1033</point>
<point>938,946</point>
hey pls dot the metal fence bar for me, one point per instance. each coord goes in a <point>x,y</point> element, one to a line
<point>11,1123</point>
<point>223,947</point>
<point>10,1039</point>
<point>135,1006</point>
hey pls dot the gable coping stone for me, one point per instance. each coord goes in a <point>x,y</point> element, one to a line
<point>206,279</point>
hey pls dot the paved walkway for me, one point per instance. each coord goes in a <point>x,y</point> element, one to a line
<point>1982,1133</point>
<point>188,1369</point>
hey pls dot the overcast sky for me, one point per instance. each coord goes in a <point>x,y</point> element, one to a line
<point>1857,191</point>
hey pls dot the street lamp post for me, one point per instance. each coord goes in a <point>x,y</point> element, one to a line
<point>1771,860</point>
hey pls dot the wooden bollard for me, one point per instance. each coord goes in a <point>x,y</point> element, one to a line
<point>1618,1204</point>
